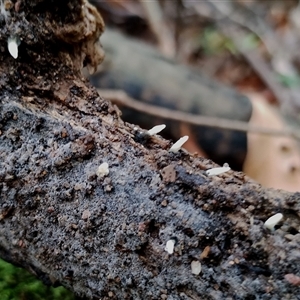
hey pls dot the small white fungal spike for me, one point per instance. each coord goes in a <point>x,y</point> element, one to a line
<point>273,221</point>
<point>218,171</point>
<point>177,146</point>
<point>170,246</point>
<point>156,129</point>
<point>13,47</point>
<point>102,170</point>
<point>196,267</point>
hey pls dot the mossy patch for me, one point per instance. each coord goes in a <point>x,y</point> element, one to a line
<point>18,284</point>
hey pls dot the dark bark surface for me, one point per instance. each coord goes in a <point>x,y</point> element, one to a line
<point>105,237</point>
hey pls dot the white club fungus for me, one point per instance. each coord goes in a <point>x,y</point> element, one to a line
<point>218,171</point>
<point>156,129</point>
<point>177,146</point>
<point>170,246</point>
<point>12,44</point>
<point>196,267</point>
<point>102,170</point>
<point>274,220</point>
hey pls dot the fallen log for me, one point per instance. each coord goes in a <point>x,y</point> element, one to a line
<point>151,224</point>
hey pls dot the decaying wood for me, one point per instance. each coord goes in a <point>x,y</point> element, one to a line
<point>105,236</point>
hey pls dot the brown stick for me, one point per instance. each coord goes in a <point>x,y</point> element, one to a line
<point>122,99</point>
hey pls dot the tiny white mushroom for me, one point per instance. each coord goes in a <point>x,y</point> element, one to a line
<point>196,267</point>
<point>156,129</point>
<point>102,170</point>
<point>12,44</point>
<point>218,171</point>
<point>177,146</point>
<point>273,221</point>
<point>170,246</point>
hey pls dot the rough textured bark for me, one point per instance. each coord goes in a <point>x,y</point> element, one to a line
<point>104,237</point>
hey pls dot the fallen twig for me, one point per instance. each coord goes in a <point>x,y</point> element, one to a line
<point>121,98</point>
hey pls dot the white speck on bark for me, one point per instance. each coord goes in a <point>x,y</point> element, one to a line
<point>196,267</point>
<point>102,170</point>
<point>170,246</point>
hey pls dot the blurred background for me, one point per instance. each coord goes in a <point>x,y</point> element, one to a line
<point>231,70</point>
